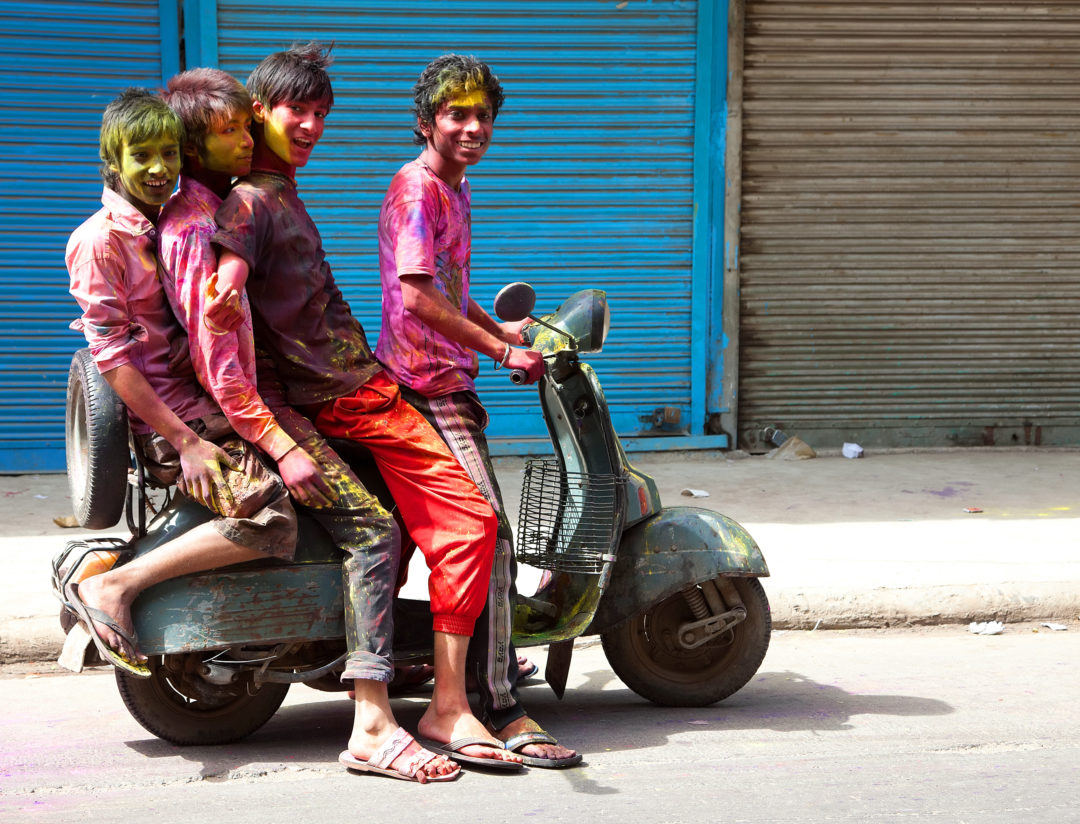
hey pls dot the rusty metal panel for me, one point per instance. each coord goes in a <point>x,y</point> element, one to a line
<point>215,610</point>
<point>909,259</point>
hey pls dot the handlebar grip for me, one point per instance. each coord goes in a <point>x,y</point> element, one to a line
<point>518,376</point>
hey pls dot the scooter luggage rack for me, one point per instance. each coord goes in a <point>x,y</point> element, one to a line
<point>567,520</point>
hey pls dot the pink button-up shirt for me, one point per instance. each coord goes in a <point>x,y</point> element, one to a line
<point>126,318</point>
<point>225,364</point>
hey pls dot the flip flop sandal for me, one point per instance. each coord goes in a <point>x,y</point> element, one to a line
<point>90,614</point>
<point>453,751</point>
<point>380,761</point>
<point>524,739</point>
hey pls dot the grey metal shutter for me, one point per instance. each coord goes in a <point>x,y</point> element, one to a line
<point>910,250</point>
<point>61,63</point>
<point>588,182</point>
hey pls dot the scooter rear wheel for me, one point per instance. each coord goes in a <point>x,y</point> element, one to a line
<point>184,709</point>
<point>646,653</point>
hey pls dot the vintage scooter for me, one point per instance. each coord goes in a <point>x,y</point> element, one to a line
<point>673,592</point>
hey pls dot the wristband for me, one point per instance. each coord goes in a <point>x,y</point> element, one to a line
<point>505,357</point>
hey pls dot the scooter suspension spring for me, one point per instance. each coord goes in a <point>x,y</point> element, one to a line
<point>696,601</point>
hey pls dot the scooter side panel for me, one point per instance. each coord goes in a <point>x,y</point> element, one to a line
<point>675,548</point>
<point>214,610</point>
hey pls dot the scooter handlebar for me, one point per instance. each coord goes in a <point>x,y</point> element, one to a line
<point>518,376</point>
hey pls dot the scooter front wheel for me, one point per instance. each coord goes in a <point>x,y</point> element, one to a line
<point>177,705</point>
<point>648,656</point>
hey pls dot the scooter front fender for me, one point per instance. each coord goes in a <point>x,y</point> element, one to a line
<point>677,547</point>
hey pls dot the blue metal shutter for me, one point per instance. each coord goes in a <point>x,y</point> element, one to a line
<point>588,183</point>
<point>61,63</point>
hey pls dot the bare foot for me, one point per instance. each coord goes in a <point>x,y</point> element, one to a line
<point>450,726</point>
<point>526,724</point>
<point>526,668</point>
<point>102,593</point>
<point>363,746</point>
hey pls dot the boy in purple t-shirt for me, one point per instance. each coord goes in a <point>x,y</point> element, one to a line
<point>139,348</point>
<point>431,334</point>
<point>216,111</point>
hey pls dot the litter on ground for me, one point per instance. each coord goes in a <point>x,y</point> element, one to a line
<point>986,627</point>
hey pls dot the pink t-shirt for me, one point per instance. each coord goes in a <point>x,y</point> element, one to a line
<point>112,260</point>
<point>424,228</point>
<point>225,364</point>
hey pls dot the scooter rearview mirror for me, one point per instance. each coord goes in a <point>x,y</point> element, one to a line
<point>515,301</point>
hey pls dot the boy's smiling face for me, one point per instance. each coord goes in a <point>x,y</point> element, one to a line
<point>228,146</point>
<point>459,135</point>
<point>292,128</point>
<point>148,170</point>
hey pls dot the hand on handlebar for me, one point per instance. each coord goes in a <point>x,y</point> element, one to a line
<point>512,331</point>
<point>530,362</point>
<point>304,478</point>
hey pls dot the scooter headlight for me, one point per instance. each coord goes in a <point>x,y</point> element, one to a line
<point>587,317</point>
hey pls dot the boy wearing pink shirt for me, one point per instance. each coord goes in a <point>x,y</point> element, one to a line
<point>141,351</point>
<point>431,334</point>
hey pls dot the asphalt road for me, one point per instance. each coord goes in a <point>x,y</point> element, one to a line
<point>917,725</point>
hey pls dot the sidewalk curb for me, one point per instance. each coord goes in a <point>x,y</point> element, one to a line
<point>40,638</point>
<point>832,608</point>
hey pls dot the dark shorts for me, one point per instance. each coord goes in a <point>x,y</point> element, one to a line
<point>261,517</point>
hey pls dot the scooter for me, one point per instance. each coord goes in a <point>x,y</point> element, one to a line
<point>673,592</point>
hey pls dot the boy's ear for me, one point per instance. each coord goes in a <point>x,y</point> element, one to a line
<point>258,111</point>
<point>425,128</point>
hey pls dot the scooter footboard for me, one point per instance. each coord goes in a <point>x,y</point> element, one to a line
<point>677,547</point>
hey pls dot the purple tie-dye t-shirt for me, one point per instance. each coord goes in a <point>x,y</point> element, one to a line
<point>424,228</point>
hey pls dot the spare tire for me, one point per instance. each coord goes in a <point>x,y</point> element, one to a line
<point>98,456</point>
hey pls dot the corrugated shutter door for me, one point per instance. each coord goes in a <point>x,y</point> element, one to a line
<point>62,62</point>
<point>588,182</point>
<point>910,252</point>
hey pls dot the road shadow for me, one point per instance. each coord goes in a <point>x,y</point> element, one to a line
<point>597,715</point>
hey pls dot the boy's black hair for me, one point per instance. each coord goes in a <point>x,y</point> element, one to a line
<point>296,75</point>
<point>205,100</point>
<point>446,77</point>
<point>134,116</point>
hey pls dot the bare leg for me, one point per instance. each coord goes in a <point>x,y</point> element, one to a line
<point>448,716</point>
<point>373,723</point>
<point>113,592</point>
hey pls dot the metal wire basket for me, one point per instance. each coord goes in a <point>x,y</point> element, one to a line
<point>567,520</point>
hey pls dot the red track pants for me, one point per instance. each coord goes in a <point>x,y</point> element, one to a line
<point>447,517</point>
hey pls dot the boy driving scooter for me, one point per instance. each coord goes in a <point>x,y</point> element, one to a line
<point>431,334</point>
